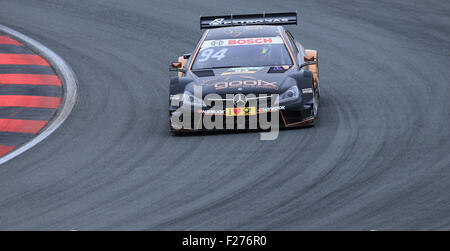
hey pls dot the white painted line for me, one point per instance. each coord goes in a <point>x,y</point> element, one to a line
<point>69,84</point>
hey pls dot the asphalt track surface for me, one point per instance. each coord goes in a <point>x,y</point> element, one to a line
<point>377,159</point>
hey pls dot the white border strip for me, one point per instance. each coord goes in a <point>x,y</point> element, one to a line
<point>69,84</point>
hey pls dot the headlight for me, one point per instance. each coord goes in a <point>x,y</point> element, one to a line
<point>190,99</point>
<point>290,94</point>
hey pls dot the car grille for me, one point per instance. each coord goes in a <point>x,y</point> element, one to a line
<point>260,99</point>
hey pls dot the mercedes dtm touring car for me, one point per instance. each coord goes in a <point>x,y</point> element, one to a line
<point>243,67</point>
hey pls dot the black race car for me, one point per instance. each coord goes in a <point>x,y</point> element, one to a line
<point>245,68</point>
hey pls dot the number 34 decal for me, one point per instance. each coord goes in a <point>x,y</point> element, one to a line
<point>209,53</point>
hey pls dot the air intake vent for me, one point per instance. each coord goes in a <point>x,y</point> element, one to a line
<point>204,73</point>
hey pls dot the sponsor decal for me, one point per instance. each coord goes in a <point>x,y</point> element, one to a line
<point>212,112</point>
<point>241,41</point>
<point>241,70</point>
<point>271,109</point>
<point>222,21</point>
<point>246,83</point>
<point>240,111</point>
<point>175,97</point>
<point>217,21</point>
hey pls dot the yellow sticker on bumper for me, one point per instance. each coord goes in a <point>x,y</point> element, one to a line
<point>240,111</point>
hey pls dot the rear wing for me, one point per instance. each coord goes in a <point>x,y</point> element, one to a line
<point>209,22</point>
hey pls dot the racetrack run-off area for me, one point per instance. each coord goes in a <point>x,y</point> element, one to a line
<point>377,158</point>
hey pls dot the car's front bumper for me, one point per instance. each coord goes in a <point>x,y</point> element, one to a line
<point>288,115</point>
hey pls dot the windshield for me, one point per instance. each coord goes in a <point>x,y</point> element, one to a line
<point>263,51</point>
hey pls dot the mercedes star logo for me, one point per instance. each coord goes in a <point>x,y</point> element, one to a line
<point>240,99</point>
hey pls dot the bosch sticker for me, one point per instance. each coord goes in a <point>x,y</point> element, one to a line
<point>241,41</point>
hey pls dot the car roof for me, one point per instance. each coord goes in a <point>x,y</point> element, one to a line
<point>243,32</point>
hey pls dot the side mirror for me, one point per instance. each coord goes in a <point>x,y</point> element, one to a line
<point>187,55</point>
<point>307,63</point>
<point>176,64</point>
